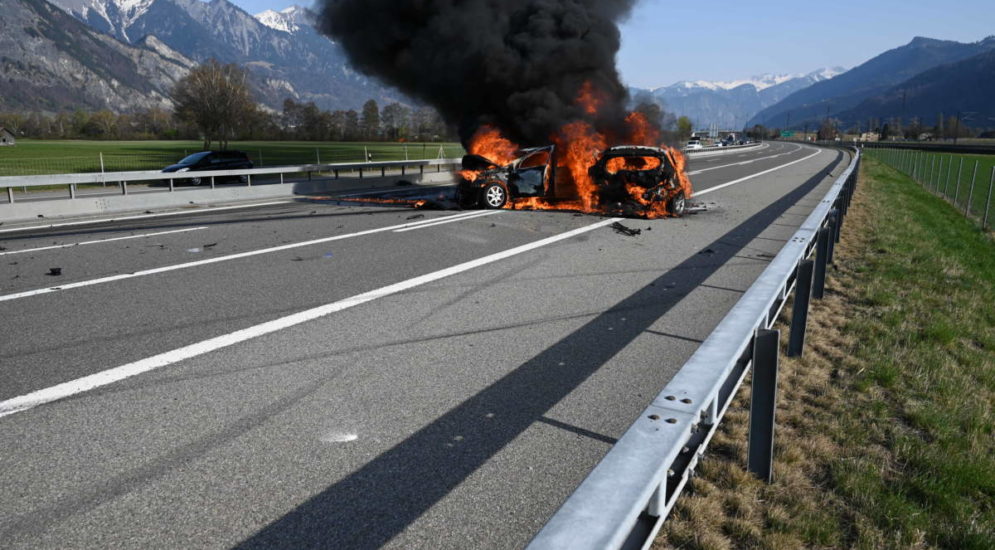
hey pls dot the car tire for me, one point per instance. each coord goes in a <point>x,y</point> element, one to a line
<point>196,181</point>
<point>678,204</point>
<point>494,195</point>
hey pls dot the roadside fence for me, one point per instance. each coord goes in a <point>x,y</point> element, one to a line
<point>967,182</point>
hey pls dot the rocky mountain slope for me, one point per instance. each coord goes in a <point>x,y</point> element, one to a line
<point>285,55</point>
<point>50,62</point>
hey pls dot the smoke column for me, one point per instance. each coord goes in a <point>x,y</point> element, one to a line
<point>518,65</point>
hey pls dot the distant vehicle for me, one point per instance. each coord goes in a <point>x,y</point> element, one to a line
<point>212,160</point>
<point>693,145</point>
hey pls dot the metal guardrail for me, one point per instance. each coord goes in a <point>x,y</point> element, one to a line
<point>123,178</point>
<point>624,500</point>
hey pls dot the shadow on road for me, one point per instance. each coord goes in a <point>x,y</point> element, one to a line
<point>378,501</point>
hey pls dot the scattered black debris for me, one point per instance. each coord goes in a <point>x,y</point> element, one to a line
<point>16,277</point>
<point>3,248</point>
<point>415,217</point>
<point>148,212</point>
<point>649,229</point>
<point>212,245</point>
<point>628,231</point>
<point>55,271</point>
<point>493,225</point>
<point>403,183</point>
<point>298,259</point>
<point>707,251</point>
<point>313,212</point>
<point>41,215</point>
<point>12,263</point>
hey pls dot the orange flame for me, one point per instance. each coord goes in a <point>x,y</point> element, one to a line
<point>578,146</point>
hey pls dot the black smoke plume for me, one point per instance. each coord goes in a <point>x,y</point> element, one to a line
<point>518,65</point>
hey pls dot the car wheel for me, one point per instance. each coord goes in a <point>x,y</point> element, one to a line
<point>678,204</point>
<point>494,195</point>
<point>196,181</point>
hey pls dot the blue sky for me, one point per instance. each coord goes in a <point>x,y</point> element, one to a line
<point>665,41</point>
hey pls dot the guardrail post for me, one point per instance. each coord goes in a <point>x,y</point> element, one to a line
<point>248,180</point>
<point>421,169</point>
<point>360,172</point>
<point>988,203</point>
<point>970,195</point>
<point>124,187</point>
<point>383,171</point>
<point>170,185</point>
<point>212,182</point>
<point>799,316</point>
<point>72,190</point>
<point>763,403</point>
<point>821,253</point>
<point>10,195</point>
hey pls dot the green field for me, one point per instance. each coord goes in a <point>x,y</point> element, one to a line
<point>949,175</point>
<point>69,156</point>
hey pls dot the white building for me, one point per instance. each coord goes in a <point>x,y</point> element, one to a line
<point>6,137</point>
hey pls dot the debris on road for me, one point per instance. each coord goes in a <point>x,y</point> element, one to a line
<point>415,217</point>
<point>193,250</point>
<point>55,271</point>
<point>628,231</point>
<point>212,245</point>
<point>707,251</point>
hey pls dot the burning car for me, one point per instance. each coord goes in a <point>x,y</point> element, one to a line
<point>628,180</point>
<point>635,179</point>
<point>486,184</point>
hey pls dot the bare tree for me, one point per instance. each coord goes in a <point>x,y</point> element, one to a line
<point>216,99</point>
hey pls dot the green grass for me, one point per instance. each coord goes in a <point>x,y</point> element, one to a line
<point>945,175</point>
<point>70,156</point>
<point>934,369</point>
<point>886,426</point>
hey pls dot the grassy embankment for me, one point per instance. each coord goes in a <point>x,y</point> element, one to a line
<point>951,176</point>
<point>70,156</point>
<point>886,426</point>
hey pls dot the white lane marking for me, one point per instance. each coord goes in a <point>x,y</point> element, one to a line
<point>441,222</point>
<point>208,261</point>
<point>741,180</point>
<point>73,245</point>
<point>143,216</point>
<point>110,376</point>
<point>696,172</point>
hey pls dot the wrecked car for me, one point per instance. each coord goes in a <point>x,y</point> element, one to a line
<point>633,179</point>
<point>488,185</point>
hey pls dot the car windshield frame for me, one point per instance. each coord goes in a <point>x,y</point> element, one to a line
<point>190,160</point>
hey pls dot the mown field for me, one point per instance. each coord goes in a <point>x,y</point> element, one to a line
<point>70,156</point>
<point>885,427</point>
<point>949,175</point>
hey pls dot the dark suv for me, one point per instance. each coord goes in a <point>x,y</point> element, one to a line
<point>212,160</point>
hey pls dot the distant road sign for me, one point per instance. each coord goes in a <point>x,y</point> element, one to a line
<point>787,134</point>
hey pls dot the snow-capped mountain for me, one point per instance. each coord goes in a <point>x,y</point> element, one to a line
<point>730,104</point>
<point>289,20</point>
<point>285,55</point>
<point>53,62</point>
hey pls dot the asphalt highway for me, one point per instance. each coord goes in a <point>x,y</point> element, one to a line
<point>309,374</point>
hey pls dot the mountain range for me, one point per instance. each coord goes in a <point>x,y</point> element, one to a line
<point>731,104</point>
<point>49,61</point>
<point>906,71</point>
<point>284,54</point>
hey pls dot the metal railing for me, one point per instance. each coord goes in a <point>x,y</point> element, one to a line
<point>946,175</point>
<point>361,169</point>
<point>622,503</point>
<point>718,149</point>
